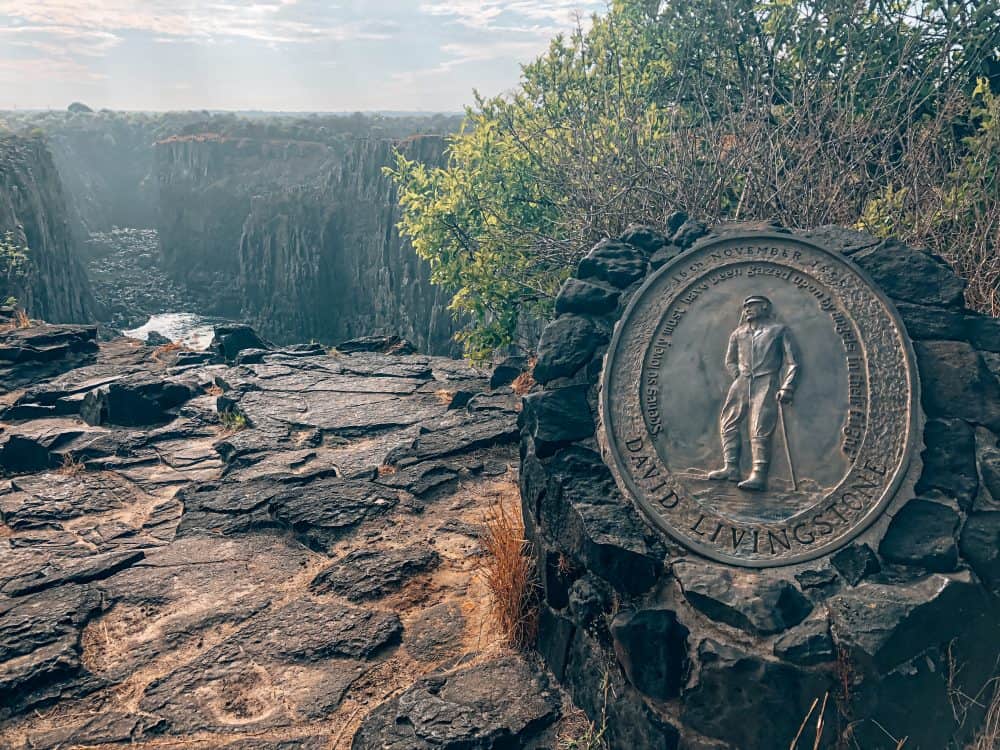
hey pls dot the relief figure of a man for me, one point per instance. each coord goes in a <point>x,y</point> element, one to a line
<point>762,359</point>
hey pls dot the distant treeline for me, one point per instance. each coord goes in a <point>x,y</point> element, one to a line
<point>160,125</point>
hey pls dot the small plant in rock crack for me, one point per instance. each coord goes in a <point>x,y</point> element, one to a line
<point>71,466</point>
<point>233,421</point>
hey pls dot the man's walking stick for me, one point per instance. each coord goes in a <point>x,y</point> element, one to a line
<point>784,439</point>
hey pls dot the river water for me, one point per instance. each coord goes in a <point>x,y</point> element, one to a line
<point>130,287</point>
<point>189,329</point>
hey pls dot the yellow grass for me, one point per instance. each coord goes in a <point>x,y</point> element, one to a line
<point>509,573</point>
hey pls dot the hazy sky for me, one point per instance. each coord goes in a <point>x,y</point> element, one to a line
<point>271,54</point>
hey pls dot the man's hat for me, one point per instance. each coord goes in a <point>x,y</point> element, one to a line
<point>756,298</point>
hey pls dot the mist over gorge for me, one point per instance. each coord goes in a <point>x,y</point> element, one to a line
<point>285,222</point>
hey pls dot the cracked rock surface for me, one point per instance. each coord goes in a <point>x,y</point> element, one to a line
<point>265,553</point>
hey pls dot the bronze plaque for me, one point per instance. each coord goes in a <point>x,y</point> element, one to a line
<point>759,400</point>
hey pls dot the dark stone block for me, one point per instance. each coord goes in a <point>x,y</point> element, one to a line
<point>675,221</point>
<point>614,262</point>
<point>73,570</point>
<point>891,623</point>
<point>923,534</point>
<point>436,634</point>
<point>980,545</point>
<point>230,340</point>
<point>646,238</point>
<point>911,275</point>
<point>381,344</point>
<point>39,644</point>
<point>589,598</point>
<point>950,460</point>
<point>651,646</point>
<point>135,401</point>
<point>688,233</point>
<point>856,562</point>
<point>555,634</point>
<point>932,323</point>
<point>628,721</point>
<point>807,644</point>
<point>577,296</point>
<point>988,454</point>
<point>983,332</point>
<point>557,417</point>
<point>956,383</point>
<point>750,601</point>
<point>664,255</point>
<point>556,580</point>
<point>750,702</point>
<point>584,511</point>
<point>567,344</point>
<point>840,239</point>
<point>819,579</point>
<point>507,371</point>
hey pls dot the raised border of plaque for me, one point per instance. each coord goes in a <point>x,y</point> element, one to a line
<point>880,421</point>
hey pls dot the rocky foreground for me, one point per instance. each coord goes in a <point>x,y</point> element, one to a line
<point>252,548</point>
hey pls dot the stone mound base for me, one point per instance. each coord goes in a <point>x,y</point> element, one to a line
<point>893,636</point>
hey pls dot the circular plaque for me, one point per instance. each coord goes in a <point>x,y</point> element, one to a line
<point>758,400</point>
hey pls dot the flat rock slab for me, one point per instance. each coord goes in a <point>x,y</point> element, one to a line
<point>49,498</point>
<point>365,574</point>
<point>499,704</point>
<point>155,568</point>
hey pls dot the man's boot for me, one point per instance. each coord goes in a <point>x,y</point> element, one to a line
<point>757,481</point>
<point>731,471</point>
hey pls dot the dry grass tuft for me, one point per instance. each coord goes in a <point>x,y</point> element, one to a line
<point>71,466</point>
<point>989,736</point>
<point>165,349</point>
<point>509,573</point>
<point>524,382</point>
<point>820,725</point>
<point>20,320</point>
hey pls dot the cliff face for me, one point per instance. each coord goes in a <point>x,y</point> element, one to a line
<point>206,183</point>
<point>106,174</point>
<point>298,237</point>
<point>33,208</point>
<point>328,263</point>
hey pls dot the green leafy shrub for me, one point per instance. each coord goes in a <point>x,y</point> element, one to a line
<point>808,113</point>
<point>13,267</point>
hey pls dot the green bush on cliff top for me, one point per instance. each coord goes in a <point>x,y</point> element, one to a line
<point>876,113</point>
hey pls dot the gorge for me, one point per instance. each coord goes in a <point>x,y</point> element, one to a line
<point>287,223</point>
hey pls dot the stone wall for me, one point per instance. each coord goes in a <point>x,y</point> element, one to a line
<point>893,634</point>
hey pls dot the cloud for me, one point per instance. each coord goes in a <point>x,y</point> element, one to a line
<point>270,21</point>
<point>465,53</point>
<point>59,41</point>
<point>530,16</point>
<point>47,69</point>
